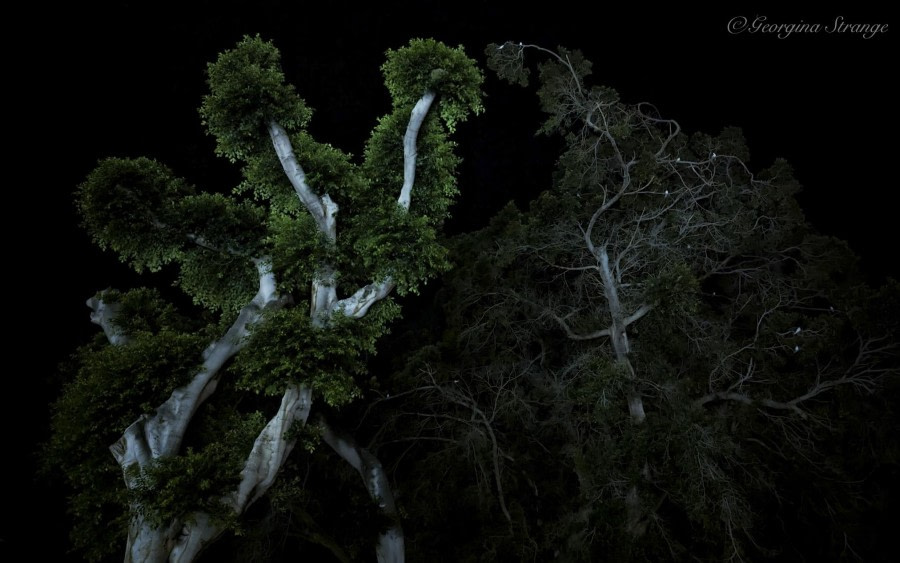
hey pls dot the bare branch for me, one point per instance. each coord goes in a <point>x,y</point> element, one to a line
<point>863,374</point>
<point>637,315</point>
<point>574,335</point>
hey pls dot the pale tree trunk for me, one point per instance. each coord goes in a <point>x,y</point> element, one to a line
<point>324,304</point>
<point>269,452</point>
<point>618,333</point>
<point>635,524</point>
<point>390,547</point>
<point>157,436</point>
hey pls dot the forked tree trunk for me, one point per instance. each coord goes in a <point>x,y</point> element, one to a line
<point>155,437</point>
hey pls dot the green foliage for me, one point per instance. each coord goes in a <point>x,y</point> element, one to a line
<point>217,270</point>
<point>247,91</point>
<point>403,246</point>
<point>110,387</point>
<point>226,225</point>
<point>601,388</point>
<point>298,248</point>
<point>435,167</point>
<point>562,75</point>
<point>745,313</point>
<point>558,81</point>
<point>217,280</point>
<point>193,481</point>
<point>287,349</point>
<point>507,61</point>
<point>144,311</point>
<point>141,211</point>
<point>427,64</point>
<point>122,382</point>
<point>673,291</point>
<point>328,171</point>
<point>126,205</point>
<point>150,218</point>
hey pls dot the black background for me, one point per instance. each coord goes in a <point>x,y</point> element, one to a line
<point>125,79</point>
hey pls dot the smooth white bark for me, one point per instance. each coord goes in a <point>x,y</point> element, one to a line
<point>417,116</point>
<point>324,295</point>
<point>157,436</point>
<point>324,303</point>
<point>193,537</point>
<point>634,317</point>
<point>390,547</point>
<point>322,209</point>
<point>357,305</point>
<point>149,544</point>
<point>270,450</point>
<point>618,330</point>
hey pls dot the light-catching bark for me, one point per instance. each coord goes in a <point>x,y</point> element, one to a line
<point>158,436</point>
<point>390,548</point>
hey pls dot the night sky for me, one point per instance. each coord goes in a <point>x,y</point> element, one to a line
<point>125,79</point>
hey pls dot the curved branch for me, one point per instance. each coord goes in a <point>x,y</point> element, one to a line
<point>322,209</point>
<point>565,62</point>
<point>266,458</point>
<point>864,374</point>
<point>272,447</point>
<point>152,437</point>
<point>745,399</point>
<point>390,547</point>
<point>637,315</point>
<point>467,402</point>
<point>417,116</point>
<point>574,335</point>
<point>357,305</point>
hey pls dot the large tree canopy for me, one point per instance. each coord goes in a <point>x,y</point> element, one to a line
<point>658,360</point>
<point>199,436</point>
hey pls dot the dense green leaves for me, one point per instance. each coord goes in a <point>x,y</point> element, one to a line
<point>506,423</point>
<point>329,171</point>
<point>427,64</point>
<point>216,248</point>
<point>149,217</point>
<point>127,205</point>
<point>403,246</point>
<point>287,349</point>
<point>298,248</point>
<point>197,480</point>
<point>247,90</point>
<point>110,387</point>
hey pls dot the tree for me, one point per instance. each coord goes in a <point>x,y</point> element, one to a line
<point>209,404</point>
<point>655,359</point>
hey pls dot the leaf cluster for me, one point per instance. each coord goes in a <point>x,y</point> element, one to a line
<point>288,349</point>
